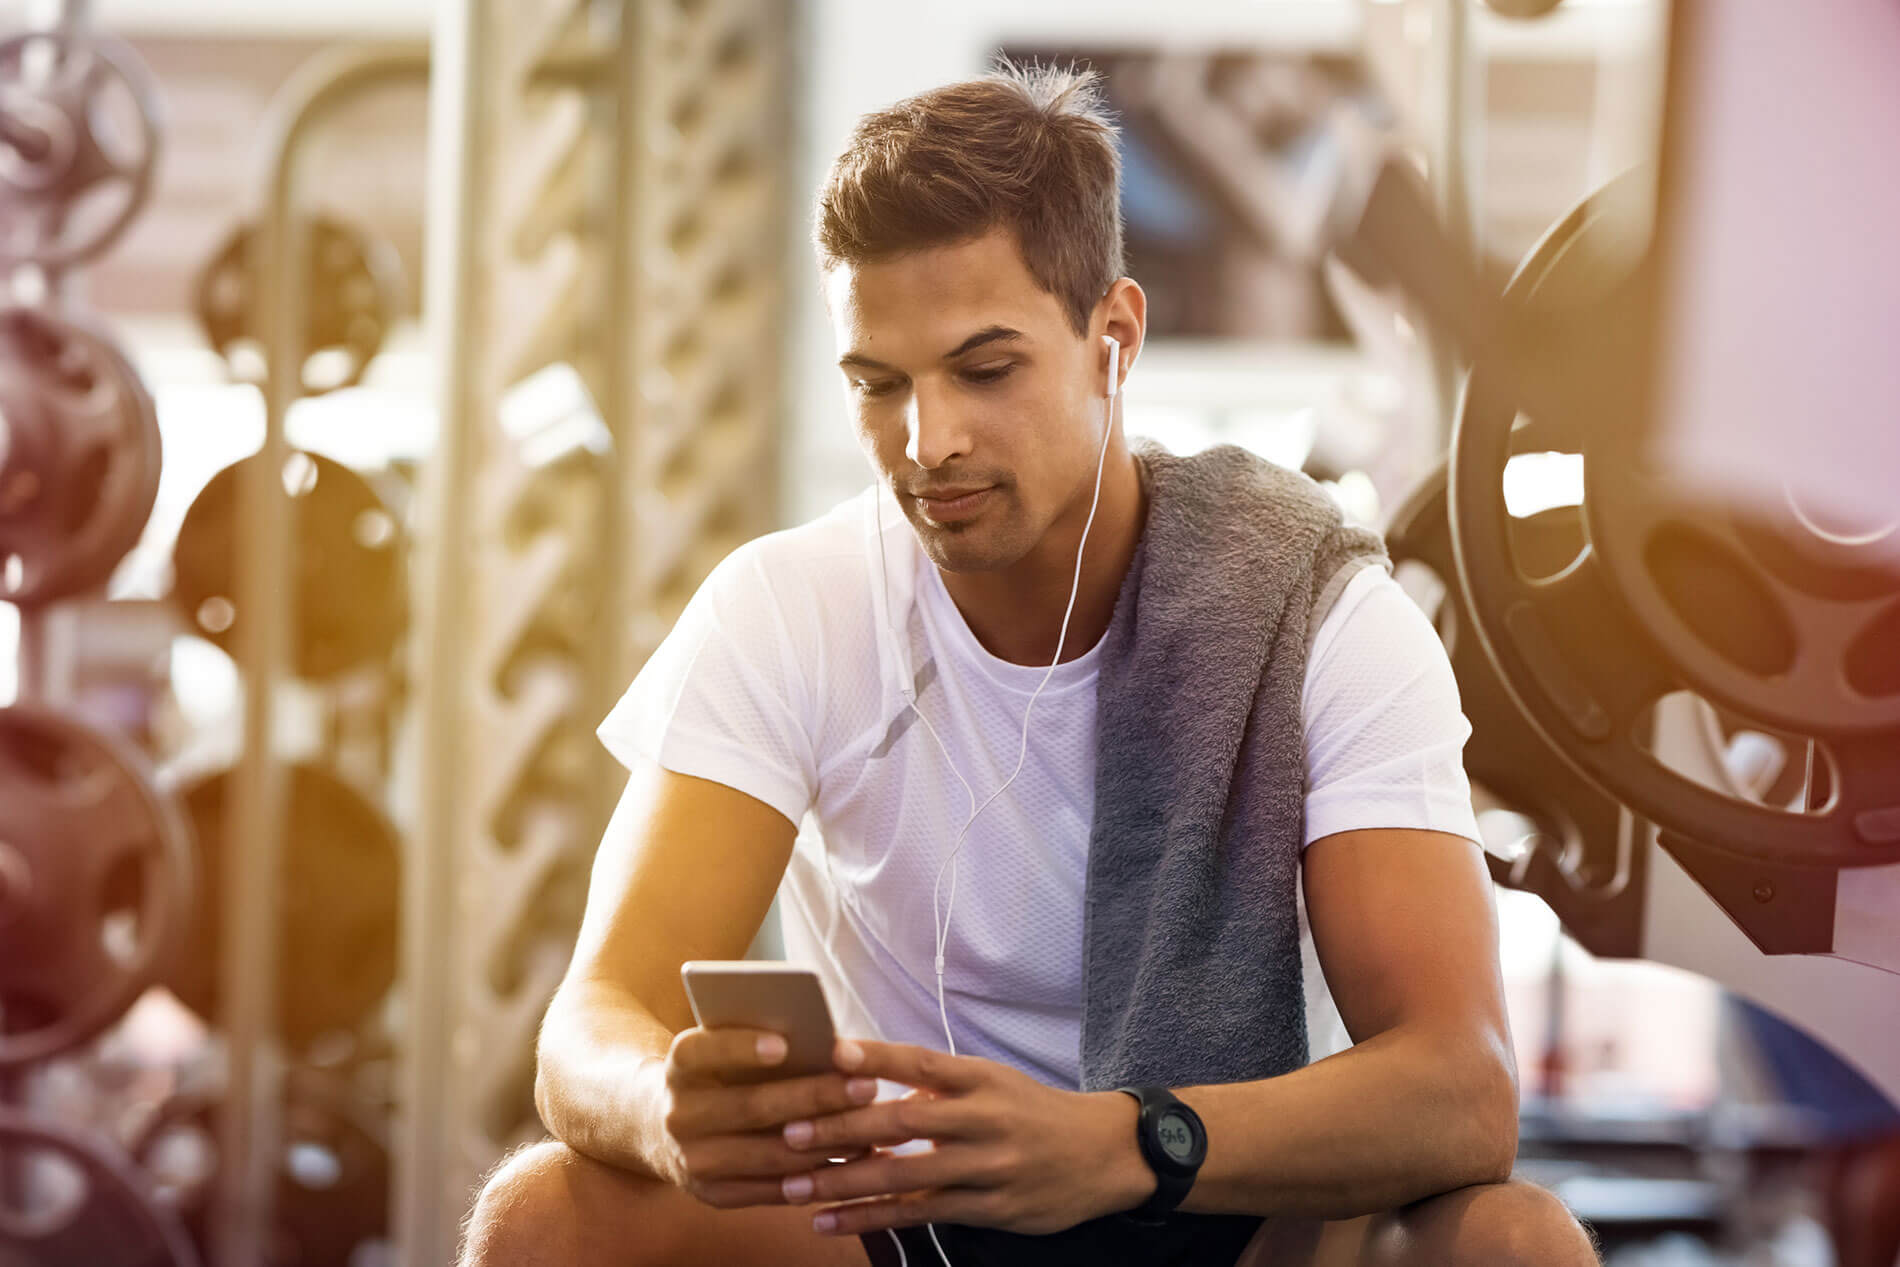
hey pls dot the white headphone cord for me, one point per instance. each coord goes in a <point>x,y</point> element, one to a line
<point>942,929</point>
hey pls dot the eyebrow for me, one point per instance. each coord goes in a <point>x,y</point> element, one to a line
<point>989,334</point>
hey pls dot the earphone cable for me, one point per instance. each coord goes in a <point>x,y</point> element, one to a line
<point>943,929</point>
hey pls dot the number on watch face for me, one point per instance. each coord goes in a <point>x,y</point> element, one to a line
<point>1177,1137</point>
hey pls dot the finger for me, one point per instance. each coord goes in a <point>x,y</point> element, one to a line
<point>723,1110</point>
<point>706,1054</point>
<point>886,1174</point>
<point>719,1158</point>
<point>886,1123</point>
<point>912,1066</point>
<point>911,1209</point>
<point>730,1194</point>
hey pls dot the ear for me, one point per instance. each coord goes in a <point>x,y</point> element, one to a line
<point>1123,315</point>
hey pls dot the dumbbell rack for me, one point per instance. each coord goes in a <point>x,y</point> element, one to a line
<point>697,102</point>
<point>51,637</point>
<point>78,471</point>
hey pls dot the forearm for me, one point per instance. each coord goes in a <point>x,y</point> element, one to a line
<point>600,1065</point>
<point>1400,1117</point>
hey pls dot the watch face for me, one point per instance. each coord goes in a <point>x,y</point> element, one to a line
<point>1176,1134</point>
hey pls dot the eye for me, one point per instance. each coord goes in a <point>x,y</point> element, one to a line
<point>990,373</point>
<point>873,389</point>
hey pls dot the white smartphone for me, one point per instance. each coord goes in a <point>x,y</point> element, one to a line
<point>765,994</point>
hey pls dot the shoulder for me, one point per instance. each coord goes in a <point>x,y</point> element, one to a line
<point>1384,726</point>
<point>807,565</point>
<point>795,604</point>
<point>1374,619</point>
<point>1377,649</point>
<point>819,542</point>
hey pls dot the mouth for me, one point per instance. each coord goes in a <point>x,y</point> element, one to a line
<point>954,505</point>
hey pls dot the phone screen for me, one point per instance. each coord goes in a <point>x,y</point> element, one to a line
<point>780,997</point>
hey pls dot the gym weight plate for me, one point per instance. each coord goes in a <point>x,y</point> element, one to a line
<point>113,1220</point>
<point>80,468</point>
<point>353,285</point>
<point>57,92</point>
<point>340,905</point>
<point>332,1192</point>
<point>95,881</point>
<point>351,600</point>
<point>1664,599</point>
<point>1583,863</point>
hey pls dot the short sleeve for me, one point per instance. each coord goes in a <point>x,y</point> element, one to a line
<point>1385,733</point>
<point>726,696</point>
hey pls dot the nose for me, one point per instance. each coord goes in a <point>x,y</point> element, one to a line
<point>935,430</point>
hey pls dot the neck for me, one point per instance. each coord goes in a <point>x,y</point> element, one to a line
<point>1016,614</point>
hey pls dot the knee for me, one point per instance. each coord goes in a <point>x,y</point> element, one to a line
<point>517,1218</point>
<point>547,1204</point>
<point>1510,1224</point>
<point>1533,1227</point>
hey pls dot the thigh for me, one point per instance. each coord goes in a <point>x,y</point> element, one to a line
<point>1493,1224</point>
<point>1486,1223</point>
<point>1287,1242</point>
<point>1185,1240</point>
<point>600,1214</point>
<point>757,1234</point>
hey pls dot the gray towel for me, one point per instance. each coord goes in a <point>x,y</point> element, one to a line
<point>1191,953</point>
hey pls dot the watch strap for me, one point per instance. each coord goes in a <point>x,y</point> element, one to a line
<point>1171,1187</point>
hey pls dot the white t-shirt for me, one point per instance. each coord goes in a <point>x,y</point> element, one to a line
<point>778,681</point>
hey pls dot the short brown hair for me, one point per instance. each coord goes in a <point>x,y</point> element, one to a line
<point>1031,149</point>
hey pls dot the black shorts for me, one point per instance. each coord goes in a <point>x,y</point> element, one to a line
<point>1185,1240</point>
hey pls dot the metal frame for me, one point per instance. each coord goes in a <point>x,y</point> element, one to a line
<point>602,193</point>
<point>266,552</point>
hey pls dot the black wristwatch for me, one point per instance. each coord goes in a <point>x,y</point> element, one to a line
<point>1173,1143</point>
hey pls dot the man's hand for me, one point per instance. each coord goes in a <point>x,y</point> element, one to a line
<point>726,1145</point>
<point>1008,1151</point>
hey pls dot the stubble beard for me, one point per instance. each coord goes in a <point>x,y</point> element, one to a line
<point>979,545</point>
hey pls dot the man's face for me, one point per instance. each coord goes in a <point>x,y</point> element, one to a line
<point>965,375</point>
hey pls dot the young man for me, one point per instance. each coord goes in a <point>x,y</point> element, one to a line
<point>876,668</point>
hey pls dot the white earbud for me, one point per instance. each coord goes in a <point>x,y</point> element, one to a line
<point>1114,365</point>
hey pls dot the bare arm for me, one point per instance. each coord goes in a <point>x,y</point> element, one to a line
<point>1426,1101</point>
<point>686,870</point>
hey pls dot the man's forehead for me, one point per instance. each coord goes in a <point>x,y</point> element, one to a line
<point>937,295</point>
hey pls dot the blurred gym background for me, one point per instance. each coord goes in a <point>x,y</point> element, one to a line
<point>395,417</point>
